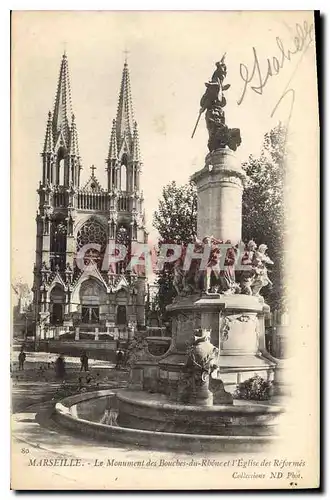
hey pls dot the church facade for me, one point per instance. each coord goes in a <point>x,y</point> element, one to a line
<point>76,290</point>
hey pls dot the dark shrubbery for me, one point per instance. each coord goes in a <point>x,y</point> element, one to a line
<point>255,388</point>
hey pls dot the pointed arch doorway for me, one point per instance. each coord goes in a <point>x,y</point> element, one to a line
<point>57,301</point>
<point>92,297</point>
<point>121,319</point>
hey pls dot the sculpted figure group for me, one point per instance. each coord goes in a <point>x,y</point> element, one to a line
<point>219,275</point>
<point>254,280</point>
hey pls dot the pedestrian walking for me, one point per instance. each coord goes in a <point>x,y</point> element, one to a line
<point>84,362</point>
<point>60,367</point>
<point>119,359</point>
<point>21,359</point>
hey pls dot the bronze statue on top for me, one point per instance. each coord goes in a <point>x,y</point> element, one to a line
<point>213,101</point>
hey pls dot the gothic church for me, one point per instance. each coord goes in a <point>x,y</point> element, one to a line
<point>70,299</point>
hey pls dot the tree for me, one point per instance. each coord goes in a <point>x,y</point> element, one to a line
<point>176,217</point>
<point>176,222</point>
<point>264,209</point>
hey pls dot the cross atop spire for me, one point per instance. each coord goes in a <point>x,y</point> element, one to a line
<point>92,184</point>
<point>126,52</point>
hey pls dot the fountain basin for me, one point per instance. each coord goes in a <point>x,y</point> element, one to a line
<point>76,413</point>
<point>142,410</point>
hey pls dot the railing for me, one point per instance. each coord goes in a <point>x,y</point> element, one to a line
<point>85,333</point>
<point>53,332</point>
<point>123,203</point>
<point>92,201</point>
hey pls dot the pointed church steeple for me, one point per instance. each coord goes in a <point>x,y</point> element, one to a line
<point>74,158</point>
<point>73,144</point>
<point>124,159</point>
<point>125,115</point>
<point>62,107</point>
<point>49,143</point>
<point>48,153</point>
<point>61,164</point>
<point>136,156</point>
<point>113,149</point>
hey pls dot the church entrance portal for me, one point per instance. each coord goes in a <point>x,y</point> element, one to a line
<point>121,315</point>
<point>91,296</point>
<point>90,314</point>
<point>57,301</point>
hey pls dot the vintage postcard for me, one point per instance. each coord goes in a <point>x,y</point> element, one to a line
<point>165,234</point>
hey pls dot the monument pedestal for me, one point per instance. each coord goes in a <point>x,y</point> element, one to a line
<point>237,329</point>
<point>237,325</point>
<point>220,187</point>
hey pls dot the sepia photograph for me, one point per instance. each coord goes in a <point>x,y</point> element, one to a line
<point>164,250</point>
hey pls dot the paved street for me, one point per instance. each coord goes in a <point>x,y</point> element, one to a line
<point>38,382</point>
<point>36,435</point>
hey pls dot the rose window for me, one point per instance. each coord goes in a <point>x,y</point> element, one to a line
<point>92,233</point>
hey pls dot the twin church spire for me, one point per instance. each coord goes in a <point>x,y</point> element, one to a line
<point>124,135</point>
<point>124,159</point>
<point>61,130</point>
<point>61,160</point>
<point>63,107</point>
<point>125,115</point>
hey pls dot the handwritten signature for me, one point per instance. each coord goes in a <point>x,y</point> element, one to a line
<point>255,78</point>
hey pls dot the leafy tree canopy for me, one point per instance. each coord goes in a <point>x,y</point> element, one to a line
<point>176,222</point>
<point>176,217</point>
<point>264,208</point>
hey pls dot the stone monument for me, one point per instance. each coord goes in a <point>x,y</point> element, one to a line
<point>221,299</point>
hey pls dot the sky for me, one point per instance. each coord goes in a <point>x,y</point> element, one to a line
<point>171,55</point>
